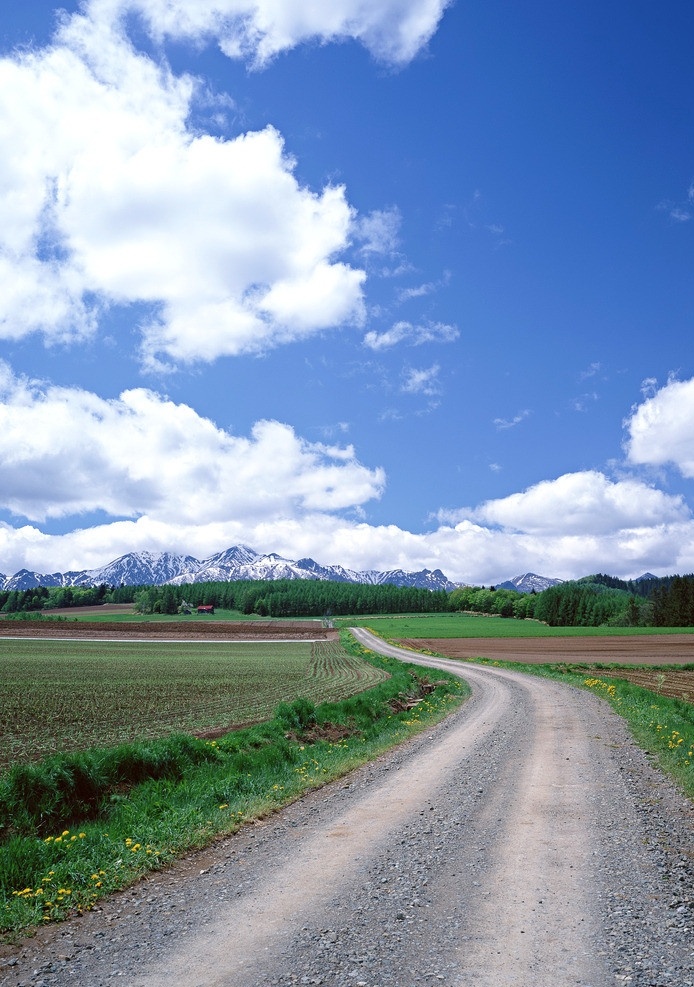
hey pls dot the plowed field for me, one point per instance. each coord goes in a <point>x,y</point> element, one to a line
<point>666,649</point>
<point>177,630</point>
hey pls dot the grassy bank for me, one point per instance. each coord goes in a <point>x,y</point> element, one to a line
<point>77,827</point>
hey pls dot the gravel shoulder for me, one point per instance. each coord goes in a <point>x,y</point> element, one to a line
<point>524,841</point>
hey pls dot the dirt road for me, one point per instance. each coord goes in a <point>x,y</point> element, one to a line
<point>523,842</point>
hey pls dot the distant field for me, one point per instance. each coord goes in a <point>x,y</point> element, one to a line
<point>124,612</point>
<point>461,625</point>
<point>71,695</point>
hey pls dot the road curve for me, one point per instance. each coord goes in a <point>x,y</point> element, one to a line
<point>504,847</point>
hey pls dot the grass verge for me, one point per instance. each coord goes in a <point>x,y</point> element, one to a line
<point>456,625</point>
<point>75,828</point>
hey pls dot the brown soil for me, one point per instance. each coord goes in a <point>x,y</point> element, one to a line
<point>660,649</point>
<point>179,630</point>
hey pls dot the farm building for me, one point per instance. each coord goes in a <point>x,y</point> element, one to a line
<point>206,608</point>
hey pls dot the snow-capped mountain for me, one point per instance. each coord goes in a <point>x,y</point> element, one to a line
<point>528,582</point>
<point>237,563</point>
<point>143,568</point>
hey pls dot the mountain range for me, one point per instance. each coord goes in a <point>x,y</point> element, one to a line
<point>237,563</point>
<point>529,582</point>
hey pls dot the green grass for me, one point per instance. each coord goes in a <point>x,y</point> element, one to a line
<point>455,625</point>
<point>196,791</point>
<point>70,695</point>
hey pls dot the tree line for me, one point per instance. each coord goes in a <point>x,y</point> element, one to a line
<point>292,598</point>
<point>594,601</point>
<point>266,598</point>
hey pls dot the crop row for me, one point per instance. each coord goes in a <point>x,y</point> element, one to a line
<point>62,696</point>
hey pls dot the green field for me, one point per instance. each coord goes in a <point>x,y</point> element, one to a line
<point>452,625</point>
<point>72,695</point>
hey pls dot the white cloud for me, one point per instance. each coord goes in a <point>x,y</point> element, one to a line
<point>379,230</point>
<point>392,30</point>
<point>422,381</point>
<point>466,551</point>
<point>65,451</point>
<point>585,504</point>
<point>592,371</point>
<point>414,335</point>
<point>661,430</point>
<point>504,423</point>
<point>175,481</point>
<point>420,291</point>
<point>186,485</point>
<point>108,198</point>
<point>680,215</point>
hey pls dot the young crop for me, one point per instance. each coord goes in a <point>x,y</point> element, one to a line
<point>57,696</point>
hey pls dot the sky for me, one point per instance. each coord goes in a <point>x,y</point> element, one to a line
<point>386,283</point>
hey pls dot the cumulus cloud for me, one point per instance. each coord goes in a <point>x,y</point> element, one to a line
<point>661,430</point>
<point>584,504</point>
<point>173,480</point>
<point>65,451</point>
<point>466,551</point>
<point>109,198</point>
<point>393,31</point>
<point>411,334</point>
<point>106,196</point>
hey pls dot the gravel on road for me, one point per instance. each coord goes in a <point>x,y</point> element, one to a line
<point>524,841</point>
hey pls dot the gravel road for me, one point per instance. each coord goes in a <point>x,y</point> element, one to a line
<point>524,841</point>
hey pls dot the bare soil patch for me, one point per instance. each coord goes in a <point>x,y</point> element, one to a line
<point>665,649</point>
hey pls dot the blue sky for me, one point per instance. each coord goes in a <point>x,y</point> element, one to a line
<point>398,283</point>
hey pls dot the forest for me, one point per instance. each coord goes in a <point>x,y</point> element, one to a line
<point>594,601</point>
